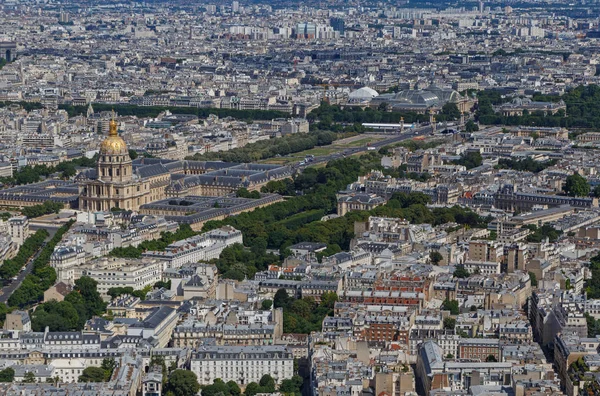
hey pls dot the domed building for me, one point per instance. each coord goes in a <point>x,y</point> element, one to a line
<point>117,182</point>
<point>113,185</point>
<point>362,95</point>
<point>421,101</point>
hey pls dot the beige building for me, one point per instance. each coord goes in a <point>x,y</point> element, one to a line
<point>119,183</point>
<point>359,201</point>
<point>18,228</point>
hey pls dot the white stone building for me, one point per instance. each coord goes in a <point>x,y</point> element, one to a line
<point>242,364</point>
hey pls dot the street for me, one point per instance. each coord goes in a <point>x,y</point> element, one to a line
<point>408,134</point>
<point>9,289</point>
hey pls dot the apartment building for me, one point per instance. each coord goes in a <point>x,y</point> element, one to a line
<point>242,364</point>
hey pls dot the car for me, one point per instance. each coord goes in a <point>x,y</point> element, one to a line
<point>14,278</point>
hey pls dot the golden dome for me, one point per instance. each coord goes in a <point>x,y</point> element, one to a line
<point>113,144</point>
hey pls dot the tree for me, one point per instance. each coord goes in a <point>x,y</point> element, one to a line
<point>87,287</point>
<point>470,126</point>
<point>217,388</point>
<point>293,385</point>
<point>435,257</point>
<point>328,299</point>
<point>133,154</point>
<point>533,279</point>
<point>252,389</point>
<point>449,323</point>
<point>471,159</point>
<point>57,316</point>
<point>449,356</point>
<point>234,389</point>
<point>7,375</point>
<point>491,358</point>
<point>451,111</point>
<point>281,299</point>
<point>576,186</point>
<point>108,365</point>
<point>183,383</point>
<point>162,284</point>
<point>461,272</point>
<point>266,305</point>
<point>451,305</point>
<point>267,383</point>
<point>92,374</point>
<point>596,191</point>
<point>29,377</point>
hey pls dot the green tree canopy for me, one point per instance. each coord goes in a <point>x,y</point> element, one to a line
<point>266,305</point>
<point>576,186</point>
<point>183,383</point>
<point>267,383</point>
<point>57,316</point>
<point>533,279</point>
<point>92,374</point>
<point>435,257</point>
<point>452,306</point>
<point>252,389</point>
<point>7,375</point>
<point>471,159</point>
<point>461,272</point>
<point>281,298</point>
<point>449,323</point>
<point>29,377</point>
<point>87,287</point>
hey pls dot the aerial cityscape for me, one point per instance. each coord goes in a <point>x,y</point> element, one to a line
<point>340,198</point>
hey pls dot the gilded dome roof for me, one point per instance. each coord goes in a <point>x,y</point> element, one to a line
<point>113,144</point>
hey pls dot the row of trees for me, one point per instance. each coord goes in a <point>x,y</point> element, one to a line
<point>33,174</point>
<point>115,292</point>
<point>166,238</point>
<point>27,106</point>
<point>42,277</point>
<point>153,111</point>
<point>43,209</point>
<point>581,102</point>
<point>593,286</point>
<point>11,267</point>
<point>270,148</point>
<point>328,117</point>
<point>525,165</point>
<point>290,387</point>
<point>244,193</point>
<point>297,219</point>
